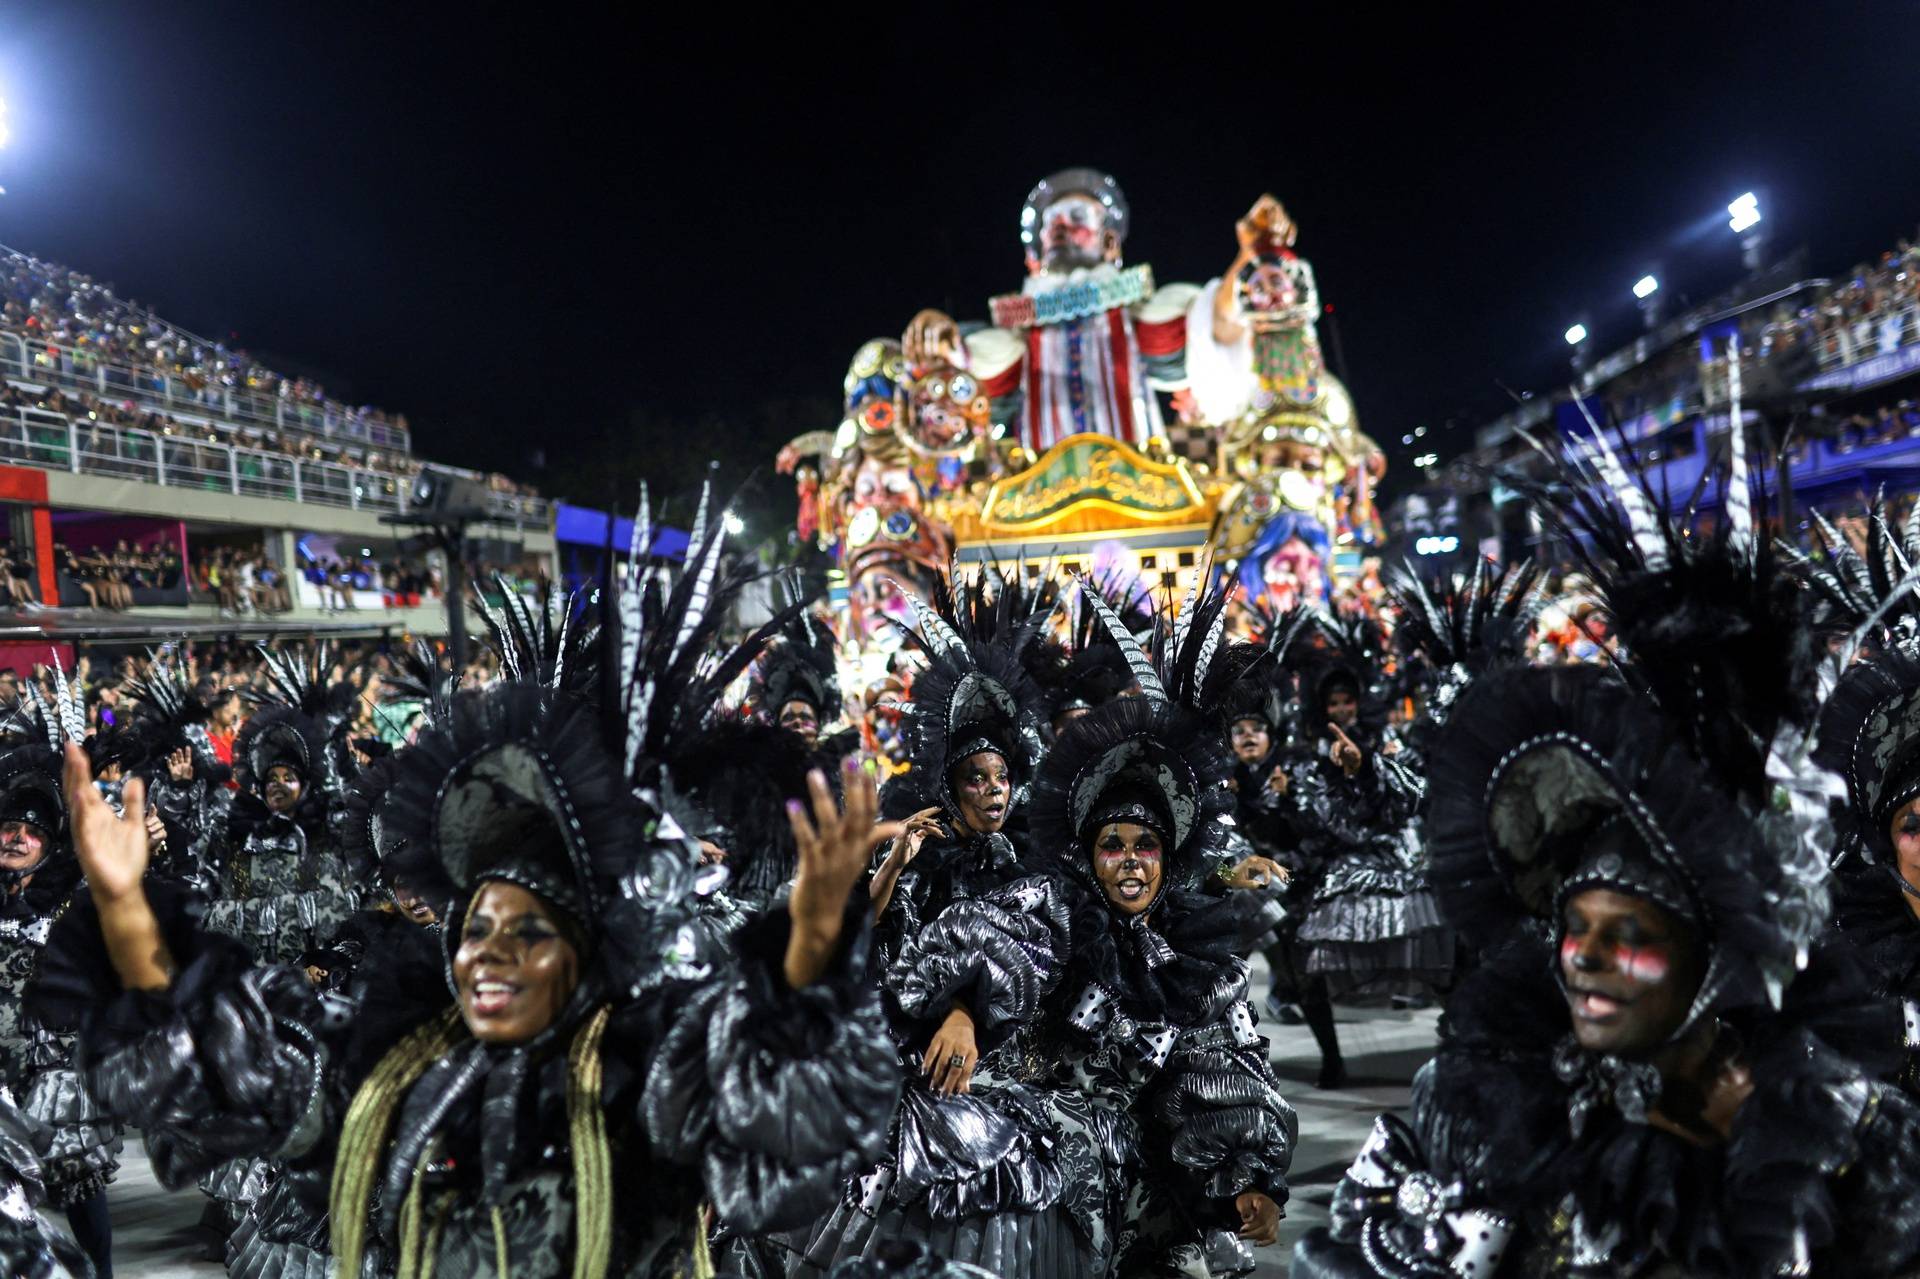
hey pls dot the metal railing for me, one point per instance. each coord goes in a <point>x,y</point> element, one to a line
<point>1849,341</point>
<point>80,369</point>
<point>56,442</point>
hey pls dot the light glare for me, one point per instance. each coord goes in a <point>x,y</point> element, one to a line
<point>1744,213</point>
<point>1645,287</point>
<point>1576,335</point>
<point>735,525</point>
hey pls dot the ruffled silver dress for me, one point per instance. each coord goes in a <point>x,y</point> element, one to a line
<point>1373,926</point>
<point>83,1140</point>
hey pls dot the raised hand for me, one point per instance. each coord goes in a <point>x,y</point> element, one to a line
<point>180,764</point>
<point>112,851</point>
<point>900,855</point>
<point>1345,752</point>
<point>834,847</point>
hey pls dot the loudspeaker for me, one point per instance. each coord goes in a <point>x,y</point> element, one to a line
<point>438,492</point>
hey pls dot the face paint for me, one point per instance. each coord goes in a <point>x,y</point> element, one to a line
<point>1126,861</point>
<point>23,846</point>
<point>1647,964</point>
<point>283,788</point>
<point>1905,833</point>
<point>799,717</point>
<point>1630,970</point>
<point>982,791</point>
<point>515,968</point>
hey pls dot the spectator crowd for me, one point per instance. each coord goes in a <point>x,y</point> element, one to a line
<point>74,326</point>
<point>107,579</point>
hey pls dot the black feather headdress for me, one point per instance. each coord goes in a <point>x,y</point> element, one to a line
<point>277,735</point>
<point>365,837</point>
<point>1869,589</point>
<point>973,695</point>
<point>1534,763</point>
<point>300,719</point>
<point>543,644</point>
<point>1156,759</point>
<point>1710,626</point>
<point>1329,651</point>
<point>1464,626</point>
<point>575,798</point>
<point>662,667</point>
<point>1870,735</point>
<point>517,786</point>
<point>167,713</point>
<point>418,675</point>
<point>994,604</point>
<point>30,789</point>
<point>301,677</point>
<point>799,665</point>
<point>741,772</point>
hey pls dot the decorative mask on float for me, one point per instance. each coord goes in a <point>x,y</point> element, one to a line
<point>946,412</point>
<point>888,535</point>
<point>871,390</point>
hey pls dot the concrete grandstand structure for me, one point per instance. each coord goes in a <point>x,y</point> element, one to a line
<point>116,427</point>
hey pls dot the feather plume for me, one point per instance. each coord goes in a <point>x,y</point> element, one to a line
<point>1137,660</point>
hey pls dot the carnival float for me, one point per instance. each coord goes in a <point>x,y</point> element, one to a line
<point>1098,422</point>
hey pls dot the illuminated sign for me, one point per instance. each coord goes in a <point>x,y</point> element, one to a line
<point>1097,472</point>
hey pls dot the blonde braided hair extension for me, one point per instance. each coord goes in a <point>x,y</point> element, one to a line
<point>363,1140</point>
<point>592,1157</point>
<point>363,1135</point>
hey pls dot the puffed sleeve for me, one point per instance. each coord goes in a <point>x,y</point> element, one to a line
<point>779,1096</point>
<point>998,955</point>
<point>1401,783</point>
<point>1217,1100</point>
<point>223,1063</point>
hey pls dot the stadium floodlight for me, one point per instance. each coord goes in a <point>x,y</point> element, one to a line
<point>735,525</point>
<point>1744,214</point>
<point>1576,335</point>
<point>1645,287</point>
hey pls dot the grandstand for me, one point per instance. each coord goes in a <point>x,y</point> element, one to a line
<point>1830,370</point>
<point>155,482</point>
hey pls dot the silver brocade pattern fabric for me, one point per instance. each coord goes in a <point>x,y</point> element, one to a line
<point>281,894</point>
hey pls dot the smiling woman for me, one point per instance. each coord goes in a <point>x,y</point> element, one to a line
<point>603,1066</point>
<point>515,969</point>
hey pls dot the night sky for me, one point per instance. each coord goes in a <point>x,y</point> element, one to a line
<point>578,232</point>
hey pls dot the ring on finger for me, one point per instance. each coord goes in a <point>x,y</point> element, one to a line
<point>957,1061</point>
